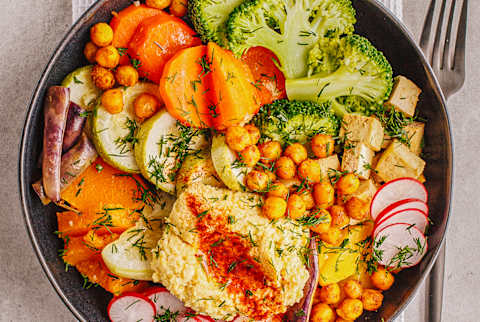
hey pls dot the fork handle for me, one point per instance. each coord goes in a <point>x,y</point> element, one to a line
<point>435,289</point>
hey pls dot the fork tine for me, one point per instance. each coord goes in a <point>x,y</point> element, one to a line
<point>459,56</point>
<point>425,43</point>
<point>436,58</point>
<point>445,62</point>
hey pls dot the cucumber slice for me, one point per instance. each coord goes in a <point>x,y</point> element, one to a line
<point>130,255</point>
<point>228,168</point>
<point>163,143</point>
<point>114,135</point>
<point>82,89</point>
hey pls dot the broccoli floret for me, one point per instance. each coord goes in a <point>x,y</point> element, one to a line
<point>348,72</point>
<point>289,28</point>
<point>295,121</point>
<point>209,17</point>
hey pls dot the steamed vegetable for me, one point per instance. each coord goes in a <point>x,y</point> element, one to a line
<point>57,101</point>
<point>295,121</point>
<point>156,40</point>
<point>288,28</point>
<point>349,73</point>
<point>73,163</point>
<point>83,91</point>
<point>74,126</point>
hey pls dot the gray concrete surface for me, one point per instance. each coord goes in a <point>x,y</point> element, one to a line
<point>30,32</point>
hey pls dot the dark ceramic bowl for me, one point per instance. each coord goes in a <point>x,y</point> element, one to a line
<point>375,22</point>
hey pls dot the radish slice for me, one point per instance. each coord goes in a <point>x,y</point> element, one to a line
<point>396,190</point>
<point>400,246</point>
<point>413,217</point>
<point>131,307</point>
<point>204,318</point>
<point>184,318</point>
<point>402,205</point>
<point>164,301</point>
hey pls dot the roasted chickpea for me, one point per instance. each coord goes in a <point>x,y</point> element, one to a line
<point>324,194</point>
<point>112,100</point>
<point>372,299</point>
<point>145,105</point>
<point>285,168</point>
<point>101,34</point>
<point>107,57</point>
<point>295,206</point>
<point>339,319</point>
<point>348,184</point>
<point>270,151</point>
<point>334,236</point>
<point>279,190</point>
<point>322,145</point>
<point>353,289</point>
<point>339,216</point>
<point>316,296</point>
<point>126,75</point>
<point>159,4</point>
<point>250,155</point>
<point>274,208</point>
<point>178,8</point>
<point>308,199</point>
<point>254,133</point>
<point>89,51</point>
<point>310,170</point>
<point>256,180</point>
<point>271,176</point>
<point>102,77</point>
<point>350,309</point>
<point>322,313</point>
<point>324,221</point>
<point>237,138</point>
<point>382,279</point>
<point>357,208</point>
<point>296,152</point>
<point>330,293</point>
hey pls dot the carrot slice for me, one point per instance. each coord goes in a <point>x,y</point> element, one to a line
<point>185,86</point>
<point>100,185</point>
<point>156,40</point>
<point>97,273</point>
<point>234,92</point>
<point>78,249</point>
<point>269,79</point>
<point>125,22</point>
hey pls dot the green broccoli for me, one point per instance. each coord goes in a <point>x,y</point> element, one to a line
<point>295,121</point>
<point>209,17</point>
<point>289,28</point>
<point>348,72</point>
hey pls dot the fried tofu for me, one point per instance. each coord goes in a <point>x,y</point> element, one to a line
<point>328,164</point>
<point>365,129</point>
<point>404,97</point>
<point>357,158</point>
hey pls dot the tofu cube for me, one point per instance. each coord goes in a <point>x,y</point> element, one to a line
<point>415,131</point>
<point>359,128</point>
<point>404,96</point>
<point>366,190</point>
<point>358,159</point>
<point>387,140</point>
<point>328,163</point>
<point>397,162</point>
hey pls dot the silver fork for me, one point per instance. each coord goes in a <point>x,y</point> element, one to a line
<point>446,55</point>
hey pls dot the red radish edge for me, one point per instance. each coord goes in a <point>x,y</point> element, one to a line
<point>378,225</point>
<point>131,294</point>
<point>375,215</point>
<point>400,203</point>
<point>420,234</point>
<point>160,307</point>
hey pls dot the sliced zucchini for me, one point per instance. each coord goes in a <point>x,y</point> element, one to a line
<point>162,145</point>
<point>130,255</point>
<point>229,169</point>
<point>82,89</point>
<point>114,135</point>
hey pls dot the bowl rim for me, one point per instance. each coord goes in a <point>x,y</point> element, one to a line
<point>90,12</point>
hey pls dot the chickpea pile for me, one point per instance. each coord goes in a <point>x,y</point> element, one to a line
<point>346,301</point>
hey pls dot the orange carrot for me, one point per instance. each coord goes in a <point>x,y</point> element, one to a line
<point>100,185</point>
<point>233,88</point>
<point>185,87</point>
<point>77,251</point>
<point>156,40</point>
<point>270,80</point>
<point>125,22</point>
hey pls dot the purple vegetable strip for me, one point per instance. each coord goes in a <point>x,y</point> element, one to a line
<point>74,162</point>
<point>57,101</point>
<point>300,312</point>
<point>74,126</point>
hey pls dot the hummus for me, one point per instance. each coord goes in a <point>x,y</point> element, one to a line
<point>222,258</point>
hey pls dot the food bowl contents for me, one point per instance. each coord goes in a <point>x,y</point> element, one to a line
<point>259,164</point>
